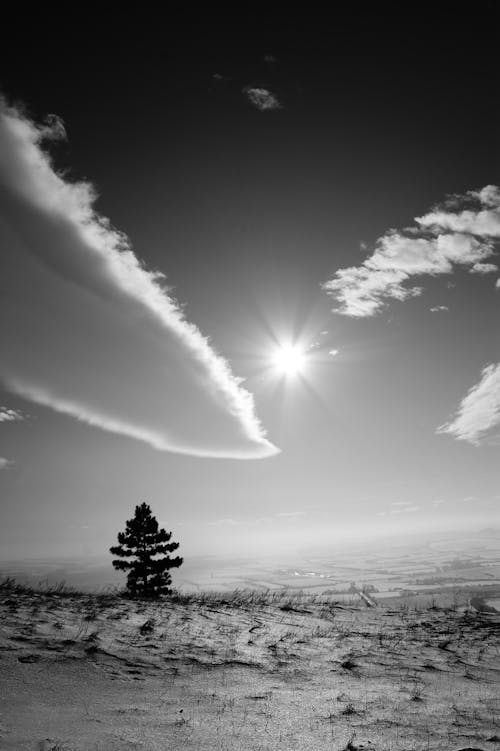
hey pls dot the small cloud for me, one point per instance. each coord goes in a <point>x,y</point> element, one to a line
<point>224,523</point>
<point>483,268</point>
<point>261,98</point>
<point>333,352</point>
<point>443,239</point>
<point>478,415</point>
<point>54,128</point>
<point>291,516</point>
<point>438,502</point>
<point>10,415</point>
<point>403,507</point>
<point>4,463</point>
<point>482,219</point>
<point>220,77</point>
<point>497,284</point>
<point>270,59</point>
<point>438,308</point>
<point>469,499</point>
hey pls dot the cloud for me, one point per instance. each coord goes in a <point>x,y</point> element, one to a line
<point>261,98</point>
<point>291,516</point>
<point>10,415</point>
<point>483,221</point>
<point>405,508</point>
<point>438,308</point>
<point>443,239</point>
<point>478,415</point>
<point>4,463</point>
<point>399,507</point>
<point>88,331</point>
<point>483,268</point>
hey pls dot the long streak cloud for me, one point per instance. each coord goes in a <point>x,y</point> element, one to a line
<point>88,331</point>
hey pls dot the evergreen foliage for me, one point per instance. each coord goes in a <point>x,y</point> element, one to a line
<point>148,576</point>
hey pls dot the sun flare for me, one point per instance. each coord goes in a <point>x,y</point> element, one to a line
<point>289,359</point>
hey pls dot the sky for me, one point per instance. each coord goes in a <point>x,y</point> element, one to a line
<point>250,276</point>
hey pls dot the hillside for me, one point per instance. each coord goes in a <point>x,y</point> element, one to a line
<point>242,670</point>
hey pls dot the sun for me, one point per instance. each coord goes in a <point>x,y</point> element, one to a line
<point>289,359</point>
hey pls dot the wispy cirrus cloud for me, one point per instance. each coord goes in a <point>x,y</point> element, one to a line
<point>399,507</point>
<point>478,416</point>
<point>291,516</point>
<point>87,330</point>
<point>224,523</point>
<point>461,233</point>
<point>261,98</point>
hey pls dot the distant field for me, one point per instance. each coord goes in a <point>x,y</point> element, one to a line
<point>445,569</point>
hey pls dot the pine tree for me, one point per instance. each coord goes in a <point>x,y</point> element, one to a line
<point>141,542</point>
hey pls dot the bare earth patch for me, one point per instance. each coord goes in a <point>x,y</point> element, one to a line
<point>240,671</point>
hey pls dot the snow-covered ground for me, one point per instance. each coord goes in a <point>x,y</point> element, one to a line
<point>244,671</point>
